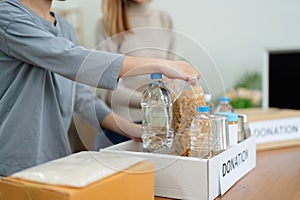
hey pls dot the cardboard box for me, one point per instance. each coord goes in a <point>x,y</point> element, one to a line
<point>194,178</point>
<point>273,127</point>
<point>137,182</point>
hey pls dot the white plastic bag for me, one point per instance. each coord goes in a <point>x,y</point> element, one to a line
<point>78,170</point>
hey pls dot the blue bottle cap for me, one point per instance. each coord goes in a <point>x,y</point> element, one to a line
<point>224,99</point>
<point>232,117</point>
<point>156,76</point>
<point>202,108</point>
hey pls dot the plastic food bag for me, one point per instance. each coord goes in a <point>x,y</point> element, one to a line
<point>184,111</point>
<point>78,170</point>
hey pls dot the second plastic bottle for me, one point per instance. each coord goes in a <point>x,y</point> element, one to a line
<point>224,106</point>
<point>201,135</point>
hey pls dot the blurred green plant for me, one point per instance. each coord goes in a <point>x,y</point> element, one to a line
<point>250,80</point>
<point>246,92</point>
<point>241,103</point>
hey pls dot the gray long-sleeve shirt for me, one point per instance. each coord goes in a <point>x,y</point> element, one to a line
<point>39,64</point>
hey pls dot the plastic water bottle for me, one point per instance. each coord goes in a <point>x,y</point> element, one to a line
<point>157,122</point>
<point>224,106</point>
<point>209,103</point>
<point>201,136</point>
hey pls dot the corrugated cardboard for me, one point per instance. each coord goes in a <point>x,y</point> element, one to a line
<point>136,182</point>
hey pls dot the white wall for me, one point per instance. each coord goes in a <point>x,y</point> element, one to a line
<point>91,10</point>
<point>235,33</point>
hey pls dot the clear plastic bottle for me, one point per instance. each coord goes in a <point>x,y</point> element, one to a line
<point>209,103</point>
<point>224,106</point>
<point>201,136</point>
<point>157,122</point>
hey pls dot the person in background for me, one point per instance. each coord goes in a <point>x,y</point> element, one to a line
<point>43,78</point>
<point>123,29</point>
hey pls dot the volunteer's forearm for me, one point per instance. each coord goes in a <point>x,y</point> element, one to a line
<point>133,66</point>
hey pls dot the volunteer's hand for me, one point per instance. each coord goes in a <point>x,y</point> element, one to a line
<point>122,126</point>
<point>179,70</point>
<point>133,66</point>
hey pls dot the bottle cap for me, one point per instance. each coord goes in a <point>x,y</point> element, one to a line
<point>203,109</point>
<point>207,97</point>
<point>156,76</point>
<point>232,117</point>
<point>225,99</point>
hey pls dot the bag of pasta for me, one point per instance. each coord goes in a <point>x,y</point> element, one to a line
<point>184,111</point>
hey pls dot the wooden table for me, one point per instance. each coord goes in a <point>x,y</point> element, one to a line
<point>276,176</point>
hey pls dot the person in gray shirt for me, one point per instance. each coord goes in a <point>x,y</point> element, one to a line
<point>43,78</point>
